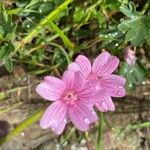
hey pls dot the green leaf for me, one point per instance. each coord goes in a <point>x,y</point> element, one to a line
<point>134,74</point>
<point>130,10</point>
<point>79,15</point>
<point>140,72</point>
<point>11,36</point>
<point>58,2</point>
<point>5,50</point>
<point>136,35</point>
<point>2,53</point>
<point>132,7</point>
<point>148,38</point>
<point>136,27</point>
<point>6,25</point>
<point>8,64</point>
<point>126,11</point>
<point>46,7</point>
<point>22,3</point>
<point>2,96</point>
<point>125,25</point>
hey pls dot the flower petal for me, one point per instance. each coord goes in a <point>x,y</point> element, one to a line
<point>73,80</point>
<point>74,66</point>
<point>55,117</point>
<point>105,104</point>
<point>81,116</point>
<point>84,64</point>
<point>51,88</point>
<point>113,85</point>
<point>91,92</point>
<point>105,64</point>
<point>100,61</point>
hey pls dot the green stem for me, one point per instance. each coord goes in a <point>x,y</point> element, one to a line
<point>64,38</point>
<point>63,51</point>
<point>145,7</point>
<point>138,126</point>
<point>100,132</point>
<point>68,136</point>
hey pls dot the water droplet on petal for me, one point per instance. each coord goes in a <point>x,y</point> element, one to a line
<point>104,106</point>
<point>93,112</point>
<point>97,87</point>
<point>97,104</point>
<point>120,93</point>
<point>120,87</point>
<point>54,123</point>
<point>87,121</point>
<point>76,68</point>
<point>65,120</point>
<point>53,129</point>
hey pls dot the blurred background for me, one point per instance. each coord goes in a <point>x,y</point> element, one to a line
<point>41,37</point>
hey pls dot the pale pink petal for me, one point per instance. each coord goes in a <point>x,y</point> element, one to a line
<point>73,80</point>
<point>113,85</point>
<point>100,61</point>
<point>91,93</point>
<point>84,64</point>
<point>55,117</point>
<point>105,64</point>
<point>51,88</point>
<point>105,103</point>
<point>74,66</point>
<point>92,116</point>
<point>81,116</point>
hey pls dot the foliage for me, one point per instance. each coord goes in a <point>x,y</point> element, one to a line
<point>134,74</point>
<point>7,35</point>
<point>137,26</point>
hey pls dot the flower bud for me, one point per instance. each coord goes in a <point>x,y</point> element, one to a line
<point>129,56</point>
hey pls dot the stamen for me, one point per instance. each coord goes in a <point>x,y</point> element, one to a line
<point>70,97</point>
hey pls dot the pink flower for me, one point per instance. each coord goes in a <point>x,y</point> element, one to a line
<point>129,55</point>
<point>71,98</point>
<point>100,74</point>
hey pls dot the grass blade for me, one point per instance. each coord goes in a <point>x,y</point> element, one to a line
<point>138,126</point>
<point>21,127</point>
<point>64,38</point>
<point>54,14</point>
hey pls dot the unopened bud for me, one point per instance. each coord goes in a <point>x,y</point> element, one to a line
<point>129,56</point>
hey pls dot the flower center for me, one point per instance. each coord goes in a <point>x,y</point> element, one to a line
<point>70,97</point>
<point>93,77</point>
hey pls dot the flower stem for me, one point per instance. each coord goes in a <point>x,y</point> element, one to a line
<point>100,132</point>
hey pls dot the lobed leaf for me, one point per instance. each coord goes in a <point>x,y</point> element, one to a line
<point>136,27</point>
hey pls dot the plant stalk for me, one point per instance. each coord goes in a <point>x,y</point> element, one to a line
<point>100,132</point>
